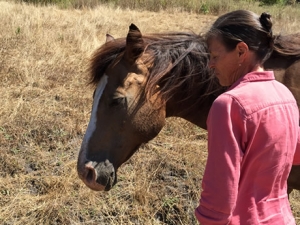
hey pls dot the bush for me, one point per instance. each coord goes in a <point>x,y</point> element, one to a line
<point>279,2</point>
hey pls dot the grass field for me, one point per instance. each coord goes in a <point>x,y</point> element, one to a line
<point>45,105</point>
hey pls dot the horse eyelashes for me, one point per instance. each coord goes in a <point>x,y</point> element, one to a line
<point>118,102</point>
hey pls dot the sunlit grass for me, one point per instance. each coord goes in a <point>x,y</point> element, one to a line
<point>45,106</point>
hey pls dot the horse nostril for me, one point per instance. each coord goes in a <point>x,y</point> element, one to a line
<point>90,175</point>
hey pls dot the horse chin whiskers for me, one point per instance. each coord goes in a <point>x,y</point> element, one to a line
<point>111,181</point>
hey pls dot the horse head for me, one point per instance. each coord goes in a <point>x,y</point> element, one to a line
<point>123,115</point>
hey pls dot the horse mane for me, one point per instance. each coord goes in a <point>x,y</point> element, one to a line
<point>177,61</point>
<point>180,66</point>
<point>287,45</point>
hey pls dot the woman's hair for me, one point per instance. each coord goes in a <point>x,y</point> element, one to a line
<point>245,26</point>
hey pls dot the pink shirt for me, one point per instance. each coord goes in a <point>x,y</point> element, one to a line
<point>252,137</point>
<point>297,153</point>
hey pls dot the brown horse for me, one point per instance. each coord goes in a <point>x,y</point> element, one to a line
<point>141,80</point>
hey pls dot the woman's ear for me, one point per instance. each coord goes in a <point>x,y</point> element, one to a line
<point>242,49</point>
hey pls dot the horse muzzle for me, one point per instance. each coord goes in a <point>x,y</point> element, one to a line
<point>98,176</point>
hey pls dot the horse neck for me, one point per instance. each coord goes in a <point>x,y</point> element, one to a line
<point>188,110</point>
<point>278,62</point>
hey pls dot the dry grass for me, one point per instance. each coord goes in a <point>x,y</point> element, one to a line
<point>45,106</point>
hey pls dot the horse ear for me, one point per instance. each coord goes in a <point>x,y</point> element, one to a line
<point>109,38</point>
<point>134,44</point>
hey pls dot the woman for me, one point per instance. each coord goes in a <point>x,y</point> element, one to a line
<point>252,128</point>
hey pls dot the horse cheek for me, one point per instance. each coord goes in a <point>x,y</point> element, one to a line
<point>149,121</point>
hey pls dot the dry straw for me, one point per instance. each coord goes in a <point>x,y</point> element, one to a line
<point>45,105</point>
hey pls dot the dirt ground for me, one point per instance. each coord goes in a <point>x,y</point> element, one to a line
<point>45,105</point>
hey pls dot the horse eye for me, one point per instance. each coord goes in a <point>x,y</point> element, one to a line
<point>118,102</point>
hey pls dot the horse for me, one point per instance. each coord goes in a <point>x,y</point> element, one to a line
<point>140,80</point>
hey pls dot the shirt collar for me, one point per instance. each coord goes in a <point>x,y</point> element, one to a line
<point>254,76</point>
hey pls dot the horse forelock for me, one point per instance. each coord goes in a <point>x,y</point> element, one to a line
<point>105,56</point>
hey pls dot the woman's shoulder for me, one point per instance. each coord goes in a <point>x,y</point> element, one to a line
<point>256,96</point>
<point>226,100</point>
<point>228,105</point>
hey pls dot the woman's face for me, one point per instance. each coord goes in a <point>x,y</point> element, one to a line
<point>224,63</point>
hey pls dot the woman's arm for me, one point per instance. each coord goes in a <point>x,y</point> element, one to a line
<point>222,172</point>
